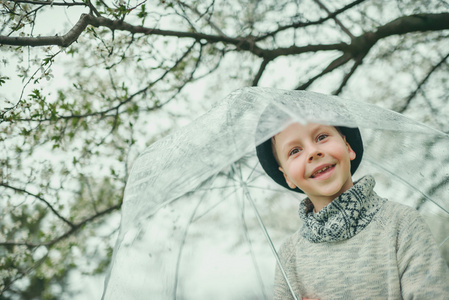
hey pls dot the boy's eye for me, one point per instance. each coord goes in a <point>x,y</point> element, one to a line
<point>321,137</point>
<point>293,151</point>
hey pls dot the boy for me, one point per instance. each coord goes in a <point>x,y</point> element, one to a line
<point>353,244</point>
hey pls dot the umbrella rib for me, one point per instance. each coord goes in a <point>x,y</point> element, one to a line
<point>184,238</point>
<point>266,189</point>
<point>240,170</point>
<point>213,207</point>
<point>253,168</point>
<point>215,188</point>
<point>251,180</point>
<point>443,242</point>
<point>251,250</point>
<point>252,172</point>
<point>407,184</point>
<point>270,242</point>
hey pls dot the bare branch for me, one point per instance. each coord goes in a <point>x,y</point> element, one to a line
<point>414,23</point>
<point>305,24</point>
<point>294,50</point>
<point>421,83</point>
<point>332,66</point>
<point>82,223</point>
<point>72,230</point>
<point>345,80</point>
<point>93,9</point>
<point>346,30</point>
<point>50,3</point>
<point>200,15</point>
<point>260,72</point>
<point>63,41</point>
<point>359,45</point>
<point>37,196</point>
<point>86,19</point>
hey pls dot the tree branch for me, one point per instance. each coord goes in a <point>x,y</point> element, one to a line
<point>115,109</point>
<point>72,230</point>
<point>359,45</point>
<point>62,41</point>
<point>414,23</point>
<point>200,15</point>
<point>421,83</point>
<point>57,214</point>
<point>345,30</point>
<point>345,80</point>
<point>260,72</point>
<point>305,24</point>
<point>50,3</point>
<point>22,274</point>
<point>332,66</point>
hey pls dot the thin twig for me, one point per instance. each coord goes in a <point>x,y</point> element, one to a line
<point>345,30</point>
<point>421,83</point>
<point>68,233</point>
<point>40,198</point>
<point>310,23</point>
<point>50,3</point>
<point>332,66</point>
<point>345,80</point>
<point>200,15</point>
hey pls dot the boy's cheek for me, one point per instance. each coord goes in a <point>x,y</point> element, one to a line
<point>296,175</point>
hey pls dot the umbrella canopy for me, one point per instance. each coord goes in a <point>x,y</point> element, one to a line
<point>201,220</point>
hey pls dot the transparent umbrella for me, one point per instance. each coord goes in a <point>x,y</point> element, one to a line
<point>201,220</point>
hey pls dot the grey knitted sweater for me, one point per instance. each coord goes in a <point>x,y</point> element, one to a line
<point>361,246</point>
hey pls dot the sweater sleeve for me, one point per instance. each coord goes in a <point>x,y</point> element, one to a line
<point>281,288</point>
<point>423,272</point>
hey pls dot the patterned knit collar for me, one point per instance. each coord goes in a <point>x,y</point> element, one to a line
<point>344,217</point>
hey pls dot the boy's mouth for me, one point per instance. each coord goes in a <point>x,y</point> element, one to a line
<point>322,170</point>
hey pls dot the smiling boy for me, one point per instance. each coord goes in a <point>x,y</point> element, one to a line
<point>353,244</point>
<point>316,159</point>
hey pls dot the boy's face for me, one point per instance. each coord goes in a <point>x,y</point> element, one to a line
<point>315,158</point>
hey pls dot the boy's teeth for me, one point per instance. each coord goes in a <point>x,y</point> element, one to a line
<point>320,171</point>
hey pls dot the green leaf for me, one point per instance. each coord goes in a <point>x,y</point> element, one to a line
<point>3,79</point>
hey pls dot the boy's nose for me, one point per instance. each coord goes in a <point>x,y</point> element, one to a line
<point>314,155</point>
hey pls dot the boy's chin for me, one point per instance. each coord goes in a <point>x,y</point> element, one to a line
<point>330,191</point>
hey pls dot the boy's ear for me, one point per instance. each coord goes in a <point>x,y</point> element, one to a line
<point>351,152</point>
<point>287,180</point>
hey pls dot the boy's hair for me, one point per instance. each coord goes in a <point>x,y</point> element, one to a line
<point>273,148</point>
<point>267,155</point>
